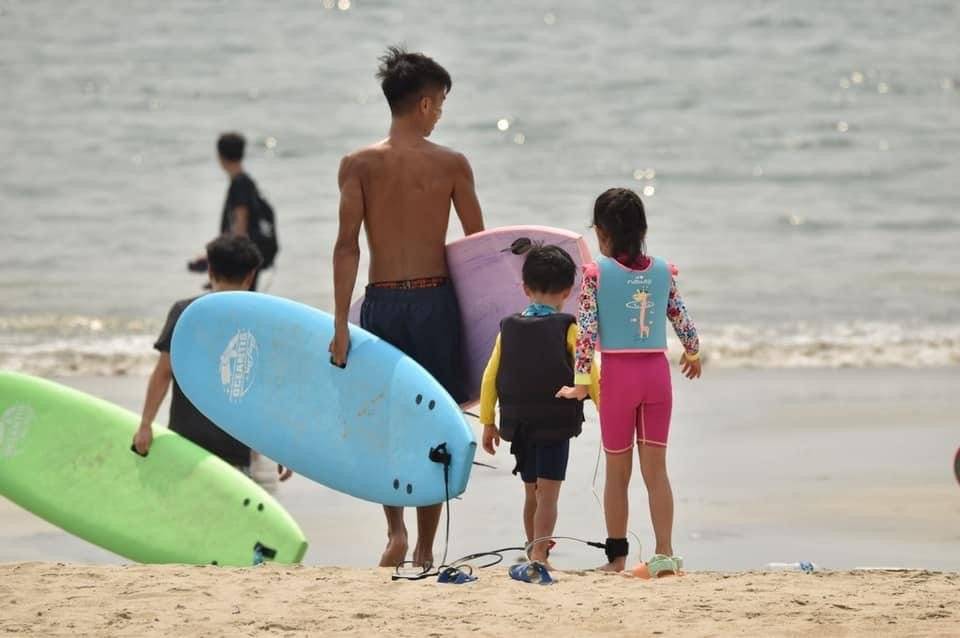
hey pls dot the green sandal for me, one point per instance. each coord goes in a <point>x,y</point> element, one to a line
<point>661,565</point>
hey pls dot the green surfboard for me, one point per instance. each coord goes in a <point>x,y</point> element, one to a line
<point>66,456</point>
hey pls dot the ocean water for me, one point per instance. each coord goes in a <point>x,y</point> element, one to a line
<point>798,160</point>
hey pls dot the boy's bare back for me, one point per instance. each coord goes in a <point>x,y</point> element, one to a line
<point>405,191</point>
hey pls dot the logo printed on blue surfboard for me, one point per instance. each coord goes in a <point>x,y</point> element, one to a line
<point>238,364</point>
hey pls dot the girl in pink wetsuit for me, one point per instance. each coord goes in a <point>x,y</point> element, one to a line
<point>626,299</point>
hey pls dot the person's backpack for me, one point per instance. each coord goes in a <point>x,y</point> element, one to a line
<point>264,232</point>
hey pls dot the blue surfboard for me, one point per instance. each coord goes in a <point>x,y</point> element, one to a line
<point>258,367</point>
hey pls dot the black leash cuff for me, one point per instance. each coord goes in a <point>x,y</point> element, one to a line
<point>617,548</point>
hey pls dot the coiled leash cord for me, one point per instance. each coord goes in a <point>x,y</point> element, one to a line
<point>440,455</point>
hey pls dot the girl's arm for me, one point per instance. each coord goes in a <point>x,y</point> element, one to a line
<point>594,391</point>
<point>681,321</point>
<point>587,330</point>
<point>587,325</point>
<point>686,332</point>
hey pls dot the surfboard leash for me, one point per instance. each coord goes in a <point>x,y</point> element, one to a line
<point>441,455</point>
<point>498,554</point>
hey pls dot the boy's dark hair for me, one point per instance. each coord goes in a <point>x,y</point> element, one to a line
<point>619,213</point>
<point>230,146</point>
<point>233,257</point>
<point>548,269</point>
<point>404,77</point>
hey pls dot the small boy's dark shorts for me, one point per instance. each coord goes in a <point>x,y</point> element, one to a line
<point>544,460</point>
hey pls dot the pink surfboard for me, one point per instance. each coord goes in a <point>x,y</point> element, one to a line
<point>486,274</point>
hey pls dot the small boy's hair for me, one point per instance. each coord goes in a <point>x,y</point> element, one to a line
<point>230,146</point>
<point>548,269</point>
<point>404,76</point>
<point>232,257</point>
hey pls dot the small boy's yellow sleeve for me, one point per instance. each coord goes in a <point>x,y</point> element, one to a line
<point>593,378</point>
<point>488,387</point>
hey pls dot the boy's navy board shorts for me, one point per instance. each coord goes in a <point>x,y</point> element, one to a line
<point>543,460</point>
<point>424,323</point>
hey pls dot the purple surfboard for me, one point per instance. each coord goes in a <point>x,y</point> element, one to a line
<point>486,273</point>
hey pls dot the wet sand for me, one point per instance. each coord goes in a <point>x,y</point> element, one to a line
<point>845,468</point>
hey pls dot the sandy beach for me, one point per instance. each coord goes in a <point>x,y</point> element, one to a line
<point>797,468</point>
<point>52,599</point>
<point>845,468</point>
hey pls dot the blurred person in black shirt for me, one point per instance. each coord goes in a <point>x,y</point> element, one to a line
<point>245,211</point>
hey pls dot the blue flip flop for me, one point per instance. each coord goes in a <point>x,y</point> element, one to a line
<point>455,576</point>
<point>531,572</point>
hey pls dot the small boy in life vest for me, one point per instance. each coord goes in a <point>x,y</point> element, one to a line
<point>532,359</point>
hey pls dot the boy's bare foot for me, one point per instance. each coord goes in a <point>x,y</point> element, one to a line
<point>617,565</point>
<point>396,551</point>
<point>423,557</point>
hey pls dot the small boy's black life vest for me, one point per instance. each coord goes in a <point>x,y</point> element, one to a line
<point>534,364</point>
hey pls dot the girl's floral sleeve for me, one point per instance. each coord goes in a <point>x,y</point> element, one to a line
<point>587,324</point>
<point>681,321</point>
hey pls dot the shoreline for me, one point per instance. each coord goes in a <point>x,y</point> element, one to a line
<point>59,599</point>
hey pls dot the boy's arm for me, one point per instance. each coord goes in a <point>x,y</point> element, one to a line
<point>488,401</point>
<point>488,387</point>
<point>240,198</point>
<point>240,221</point>
<point>465,198</point>
<point>346,255</point>
<point>572,333</point>
<point>156,391</point>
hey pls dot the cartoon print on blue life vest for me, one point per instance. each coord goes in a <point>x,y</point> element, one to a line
<point>642,302</point>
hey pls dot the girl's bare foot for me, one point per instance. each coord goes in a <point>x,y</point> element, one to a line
<point>616,565</point>
<point>396,551</point>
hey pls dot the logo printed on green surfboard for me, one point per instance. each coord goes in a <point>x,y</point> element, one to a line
<point>14,424</point>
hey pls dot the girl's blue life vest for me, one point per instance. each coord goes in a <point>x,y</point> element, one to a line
<point>632,306</point>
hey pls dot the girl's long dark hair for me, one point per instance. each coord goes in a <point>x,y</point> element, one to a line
<point>619,213</point>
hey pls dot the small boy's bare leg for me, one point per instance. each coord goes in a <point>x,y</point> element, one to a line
<point>529,508</point>
<point>396,551</point>
<point>428,518</point>
<point>545,519</point>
